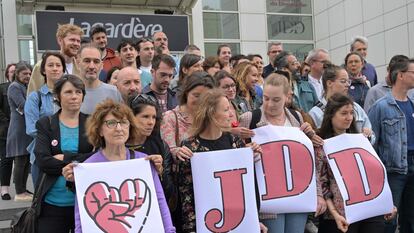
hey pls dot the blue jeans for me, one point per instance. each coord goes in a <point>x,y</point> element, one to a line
<point>287,223</point>
<point>35,173</point>
<point>402,189</point>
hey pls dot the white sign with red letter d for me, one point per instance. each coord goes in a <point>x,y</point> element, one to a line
<point>286,172</point>
<point>360,175</point>
<point>224,192</point>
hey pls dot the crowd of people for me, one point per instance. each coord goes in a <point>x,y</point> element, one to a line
<point>90,103</point>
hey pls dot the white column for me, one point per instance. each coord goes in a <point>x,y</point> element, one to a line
<point>11,48</point>
<point>197,25</point>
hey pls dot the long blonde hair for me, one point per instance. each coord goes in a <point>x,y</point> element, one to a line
<point>204,114</point>
<point>240,74</point>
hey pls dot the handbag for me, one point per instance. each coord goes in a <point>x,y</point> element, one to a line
<point>26,221</point>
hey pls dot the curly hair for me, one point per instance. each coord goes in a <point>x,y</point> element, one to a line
<point>96,121</point>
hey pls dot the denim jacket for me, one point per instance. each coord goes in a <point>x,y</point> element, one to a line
<point>388,123</point>
<point>33,113</point>
<point>304,95</point>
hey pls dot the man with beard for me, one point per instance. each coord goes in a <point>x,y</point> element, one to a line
<point>90,65</point>
<point>68,37</point>
<point>128,82</point>
<point>304,95</point>
<point>161,43</point>
<point>162,73</point>
<point>99,39</point>
<point>128,53</point>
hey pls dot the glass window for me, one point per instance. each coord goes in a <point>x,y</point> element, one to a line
<point>24,25</point>
<point>299,50</point>
<point>221,26</point>
<point>223,5</point>
<point>287,27</point>
<point>289,6</point>
<point>211,48</point>
<point>26,51</point>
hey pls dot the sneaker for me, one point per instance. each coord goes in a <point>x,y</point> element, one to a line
<point>23,198</point>
<point>5,197</point>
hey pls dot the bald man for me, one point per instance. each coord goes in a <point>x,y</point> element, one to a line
<point>128,82</point>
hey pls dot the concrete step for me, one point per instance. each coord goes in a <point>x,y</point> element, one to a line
<point>5,226</point>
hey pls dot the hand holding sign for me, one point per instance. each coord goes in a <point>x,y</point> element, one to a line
<point>109,206</point>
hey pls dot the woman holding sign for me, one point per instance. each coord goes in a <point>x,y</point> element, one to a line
<point>109,128</point>
<point>339,119</point>
<point>210,131</point>
<point>276,92</point>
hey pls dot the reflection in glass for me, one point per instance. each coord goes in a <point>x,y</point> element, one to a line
<point>287,27</point>
<point>299,50</point>
<point>26,51</point>
<point>221,26</point>
<point>223,5</point>
<point>289,6</point>
<point>211,48</point>
<point>24,24</point>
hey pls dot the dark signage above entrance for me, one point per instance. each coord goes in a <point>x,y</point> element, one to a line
<point>118,27</point>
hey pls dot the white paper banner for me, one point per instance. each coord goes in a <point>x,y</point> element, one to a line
<point>360,175</point>
<point>286,172</point>
<point>224,191</point>
<point>117,197</point>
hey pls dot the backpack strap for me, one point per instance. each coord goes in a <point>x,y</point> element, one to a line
<point>256,115</point>
<point>320,105</point>
<point>295,114</point>
<point>39,96</point>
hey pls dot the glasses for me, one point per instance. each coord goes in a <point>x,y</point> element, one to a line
<point>228,87</point>
<point>322,61</point>
<point>410,71</point>
<point>112,124</point>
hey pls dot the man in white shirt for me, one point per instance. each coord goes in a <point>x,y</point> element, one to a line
<point>316,59</point>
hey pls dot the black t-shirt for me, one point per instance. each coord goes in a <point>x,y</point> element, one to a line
<point>224,142</point>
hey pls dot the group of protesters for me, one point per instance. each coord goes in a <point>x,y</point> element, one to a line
<point>89,103</point>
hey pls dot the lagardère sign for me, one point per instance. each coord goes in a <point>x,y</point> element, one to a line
<point>118,26</point>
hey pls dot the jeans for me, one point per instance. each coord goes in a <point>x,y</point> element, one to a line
<point>288,223</point>
<point>370,225</point>
<point>402,189</point>
<point>21,172</point>
<point>35,173</point>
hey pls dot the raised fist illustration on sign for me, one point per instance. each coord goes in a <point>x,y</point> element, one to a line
<point>118,210</point>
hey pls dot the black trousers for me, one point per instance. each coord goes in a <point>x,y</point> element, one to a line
<point>370,225</point>
<point>21,172</point>
<point>6,165</point>
<point>55,219</point>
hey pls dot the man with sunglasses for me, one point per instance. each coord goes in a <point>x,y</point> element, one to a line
<point>99,38</point>
<point>162,73</point>
<point>316,59</point>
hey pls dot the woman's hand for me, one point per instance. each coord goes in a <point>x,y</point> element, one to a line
<point>67,172</point>
<point>157,161</point>
<point>263,228</point>
<point>242,132</point>
<point>367,132</point>
<point>307,129</point>
<point>184,153</point>
<point>341,223</point>
<point>321,207</point>
<point>257,150</point>
<point>59,157</point>
<point>391,215</point>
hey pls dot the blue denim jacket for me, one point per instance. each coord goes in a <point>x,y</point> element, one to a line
<point>32,113</point>
<point>388,123</point>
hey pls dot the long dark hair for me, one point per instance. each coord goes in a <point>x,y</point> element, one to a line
<point>335,102</point>
<point>139,102</point>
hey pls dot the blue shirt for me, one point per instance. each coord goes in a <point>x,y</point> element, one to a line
<point>58,194</point>
<point>33,113</point>
<point>408,109</point>
<point>369,71</point>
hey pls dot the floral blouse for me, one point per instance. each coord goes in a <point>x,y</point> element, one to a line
<point>185,179</point>
<point>330,189</point>
<point>169,128</point>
